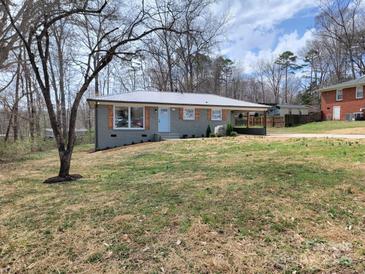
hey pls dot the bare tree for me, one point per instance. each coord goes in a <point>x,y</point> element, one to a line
<point>8,38</point>
<point>273,74</point>
<point>115,42</point>
<point>339,20</point>
<point>175,59</point>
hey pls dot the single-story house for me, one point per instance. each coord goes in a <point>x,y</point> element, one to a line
<point>344,101</point>
<point>286,109</point>
<point>139,116</point>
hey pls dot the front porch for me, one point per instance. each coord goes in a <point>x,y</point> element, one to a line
<point>250,123</point>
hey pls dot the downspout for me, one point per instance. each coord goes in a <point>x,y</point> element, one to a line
<point>96,127</point>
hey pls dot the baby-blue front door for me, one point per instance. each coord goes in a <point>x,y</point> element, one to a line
<point>163,119</point>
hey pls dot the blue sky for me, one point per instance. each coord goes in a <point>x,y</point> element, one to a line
<point>261,29</point>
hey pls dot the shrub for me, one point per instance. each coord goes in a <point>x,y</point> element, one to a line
<point>13,151</point>
<point>212,135</point>
<point>26,148</point>
<point>209,131</point>
<point>234,133</point>
<point>229,129</point>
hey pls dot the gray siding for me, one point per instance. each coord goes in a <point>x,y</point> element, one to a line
<point>108,138</point>
<point>194,127</point>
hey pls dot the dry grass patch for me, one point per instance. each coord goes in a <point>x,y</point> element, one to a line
<point>221,205</point>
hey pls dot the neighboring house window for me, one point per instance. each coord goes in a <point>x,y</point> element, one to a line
<point>216,114</point>
<point>359,92</point>
<point>339,95</point>
<point>128,117</point>
<point>189,114</point>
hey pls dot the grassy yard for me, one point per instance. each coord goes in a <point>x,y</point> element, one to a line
<point>334,127</point>
<point>217,205</point>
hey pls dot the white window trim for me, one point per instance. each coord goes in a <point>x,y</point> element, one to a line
<point>362,89</point>
<point>337,91</point>
<point>221,118</point>
<point>188,119</point>
<point>129,119</point>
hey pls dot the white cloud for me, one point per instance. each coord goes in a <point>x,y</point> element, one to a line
<point>292,42</point>
<point>252,30</point>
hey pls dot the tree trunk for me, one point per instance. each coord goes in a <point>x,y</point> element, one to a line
<point>65,163</point>
<point>16,104</point>
<point>286,85</point>
<point>55,88</point>
<point>37,113</point>
<point>64,171</point>
<point>62,91</point>
<point>352,63</point>
<point>169,61</point>
<point>8,127</point>
<point>30,100</point>
<point>32,112</point>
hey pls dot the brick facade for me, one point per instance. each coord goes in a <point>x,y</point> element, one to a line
<point>349,103</point>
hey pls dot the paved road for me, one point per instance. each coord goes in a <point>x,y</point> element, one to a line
<point>319,135</point>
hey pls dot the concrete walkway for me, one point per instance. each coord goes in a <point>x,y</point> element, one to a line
<point>317,135</point>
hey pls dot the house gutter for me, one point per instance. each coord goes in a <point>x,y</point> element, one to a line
<point>336,87</point>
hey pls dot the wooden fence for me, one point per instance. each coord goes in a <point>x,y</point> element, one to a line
<point>294,120</point>
<point>276,121</point>
<point>279,121</point>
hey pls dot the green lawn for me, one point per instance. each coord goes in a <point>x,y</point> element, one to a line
<point>340,127</point>
<point>195,206</point>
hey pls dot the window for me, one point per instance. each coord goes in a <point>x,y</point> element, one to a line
<point>339,95</point>
<point>359,92</point>
<point>216,114</point>
<point>189,114</point>
<point>136,117</point>
<point>121,118</point>
<point>128,117</point>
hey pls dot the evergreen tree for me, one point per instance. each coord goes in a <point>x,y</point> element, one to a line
<point>288,62</point>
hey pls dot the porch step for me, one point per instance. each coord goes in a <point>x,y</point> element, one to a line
<point>169,135</point>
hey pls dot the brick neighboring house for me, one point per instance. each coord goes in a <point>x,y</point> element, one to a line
<point>343,101</point>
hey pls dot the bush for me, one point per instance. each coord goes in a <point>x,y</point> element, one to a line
<point>234,133</point>
<point>208,132</point>
<point>212,135</point>
<point>229,129</point>
<point>26,148</point>
<point>13,151</point>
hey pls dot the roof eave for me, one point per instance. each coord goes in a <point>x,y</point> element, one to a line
<point>261,107</point>
<point>340,86</point>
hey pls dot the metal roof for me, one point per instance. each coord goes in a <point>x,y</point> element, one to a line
<point>177,98</point>
<point>347,84</point>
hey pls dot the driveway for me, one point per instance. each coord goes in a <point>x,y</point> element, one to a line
<point>316,135</point>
